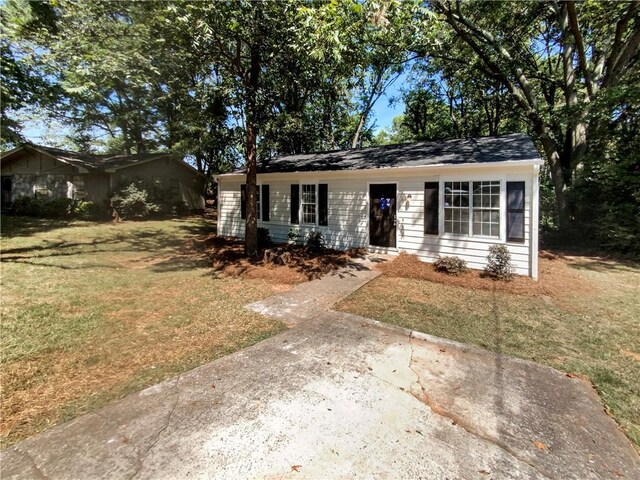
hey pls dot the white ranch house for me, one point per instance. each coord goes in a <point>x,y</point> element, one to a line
<point>453,197</point>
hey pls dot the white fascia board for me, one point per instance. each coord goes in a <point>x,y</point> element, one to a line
<point>404,169</point>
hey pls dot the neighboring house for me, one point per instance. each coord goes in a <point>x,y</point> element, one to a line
<point>453,197</point>
<point>34,170</point>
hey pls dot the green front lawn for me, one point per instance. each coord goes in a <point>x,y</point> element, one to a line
<point>94,311</point>
<point>587,322</point>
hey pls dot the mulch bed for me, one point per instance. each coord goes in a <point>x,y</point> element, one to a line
<point>280,263</point>
<point>555,276</point>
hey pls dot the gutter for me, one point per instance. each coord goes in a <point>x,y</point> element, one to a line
<point>508,163</point>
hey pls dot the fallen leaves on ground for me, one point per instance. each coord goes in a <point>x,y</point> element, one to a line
<point>556,278</point>
<point>539,445</point>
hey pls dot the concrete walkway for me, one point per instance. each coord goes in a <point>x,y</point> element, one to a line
<point>340,396</point>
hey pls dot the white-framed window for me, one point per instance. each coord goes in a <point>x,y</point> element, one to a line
<point>472,212</point>
<point>258,209</point>
<point>456,208</point>
<point>486,208</point>
<point>308,204</point>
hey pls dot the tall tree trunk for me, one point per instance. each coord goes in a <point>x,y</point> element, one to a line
<point>374,94</point>
<point>251,226</point>
<point>554,159</point>
<point>252,85</point>
<point>356,136</point>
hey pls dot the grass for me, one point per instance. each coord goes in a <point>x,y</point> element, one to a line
<point>589,326</point>
<point>94,311</point>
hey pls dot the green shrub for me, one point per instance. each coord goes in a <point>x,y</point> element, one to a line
<point>141,198</point>
<point>57,208</point>
<point>451,265</point>
<point>180,209</point>
<point>27,206</point>
<point>132,201</point>
<point>264,238</point>
<point>43,207</point>
<point>293,234</point>
<point>88,210</point>
<point>499,264</point>
<point>315,241</point>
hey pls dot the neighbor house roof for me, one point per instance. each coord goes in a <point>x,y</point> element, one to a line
<point>93,161</point>
<point>504,148</point>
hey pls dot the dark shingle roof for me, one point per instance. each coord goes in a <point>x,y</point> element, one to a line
<point>513,147</point>
<point>93,161</point>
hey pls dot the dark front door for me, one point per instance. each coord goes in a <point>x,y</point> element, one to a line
<point>382,215</point>
<point>7,186</point>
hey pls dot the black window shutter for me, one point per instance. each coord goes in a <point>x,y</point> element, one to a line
<point>295,203</point>
<point>431,207</point>
<point>264,198</point>
<point>243,201</point>
<point>323,204</point>
<point>515,212</point>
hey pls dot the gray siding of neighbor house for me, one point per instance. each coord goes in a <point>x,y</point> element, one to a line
<point>171,175</point>
<point>35,174</point>
<point>96,186</point>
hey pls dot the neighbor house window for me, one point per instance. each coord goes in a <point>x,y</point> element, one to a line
<point>41,187</point>
<point>486,208</point>
<point>472,212</point>
<point>456,208</point>
<point>308,203</point>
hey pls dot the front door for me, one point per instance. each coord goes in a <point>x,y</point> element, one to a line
<point>7,186</point>
<point>382,215</point>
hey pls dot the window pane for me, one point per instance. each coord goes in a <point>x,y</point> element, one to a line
<point>308,204</point>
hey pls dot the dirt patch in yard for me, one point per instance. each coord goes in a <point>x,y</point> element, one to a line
<point>556,277</point>
<point>284,264</point>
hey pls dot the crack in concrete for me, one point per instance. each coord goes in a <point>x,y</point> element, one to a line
<point>143,456</point>
<point>461,422</point>
<point>32,460</point>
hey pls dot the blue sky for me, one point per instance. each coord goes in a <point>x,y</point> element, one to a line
<point>383,113</point>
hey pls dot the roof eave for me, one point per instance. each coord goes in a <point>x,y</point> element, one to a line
<point>159,157</point>
<point>523,163</point>
<point>79,164</point>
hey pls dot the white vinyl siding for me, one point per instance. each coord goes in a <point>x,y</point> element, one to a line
<point>348,211</point>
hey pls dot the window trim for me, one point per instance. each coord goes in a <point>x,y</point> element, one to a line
<point>300,203</point>
<point>454,208</point>
<point>258,202</point>
<point>502,179</point>
<point>493,209</point>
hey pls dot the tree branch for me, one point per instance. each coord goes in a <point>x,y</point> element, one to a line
<point>620,53</point>
<point>582,57</point>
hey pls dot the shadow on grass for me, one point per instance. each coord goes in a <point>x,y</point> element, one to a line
<point>15,226</point>
<point>593,261</point>
<point>166,250</point>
